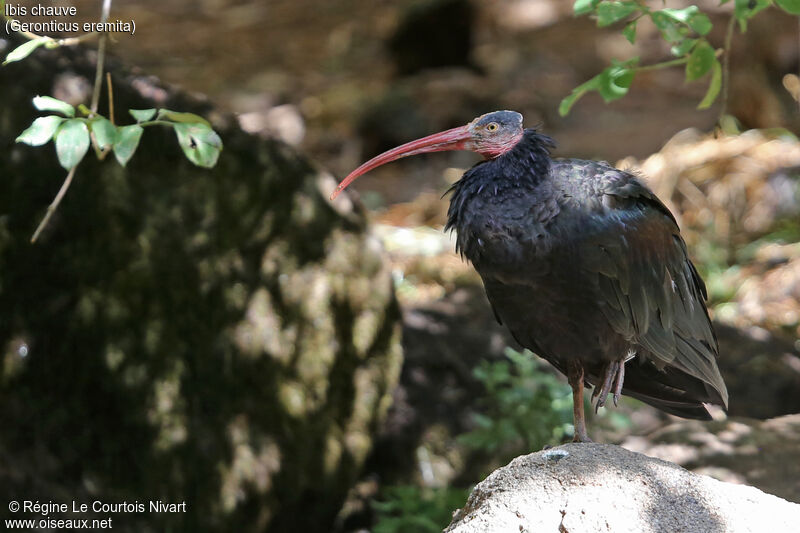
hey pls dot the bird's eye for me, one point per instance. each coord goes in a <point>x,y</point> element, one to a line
<point>492,126</point>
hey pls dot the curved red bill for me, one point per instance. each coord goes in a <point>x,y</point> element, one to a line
<point>454,139</point>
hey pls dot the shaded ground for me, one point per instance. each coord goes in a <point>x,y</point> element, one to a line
<point>762,454</point>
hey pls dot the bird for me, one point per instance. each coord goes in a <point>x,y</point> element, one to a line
<point>583,264</point>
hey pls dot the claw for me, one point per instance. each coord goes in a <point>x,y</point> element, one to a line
<point>618,382</point>
<point>613,377</point>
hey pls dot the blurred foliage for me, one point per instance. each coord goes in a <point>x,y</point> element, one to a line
<point>526,406</point>
<point>422,510</point>
<point>785,231</point>
<point>722,266</point>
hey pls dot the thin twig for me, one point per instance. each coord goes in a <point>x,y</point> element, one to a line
<point>665,64</point>
<point>72,41</point>
<point>110,98</point>
<point>54,205</point>
<point>101,56</point>
<point>726,67</point>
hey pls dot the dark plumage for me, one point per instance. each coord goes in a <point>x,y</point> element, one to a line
<point>584,265</point>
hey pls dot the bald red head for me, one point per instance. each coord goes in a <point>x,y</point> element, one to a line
<point>490,135</point>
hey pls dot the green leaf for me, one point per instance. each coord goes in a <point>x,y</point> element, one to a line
<point>692,17</point>
<point>683,48</point>
<point>126,142</point>
<point>199,143</point>
<point>72,142</point>
<point>24,50</point>
<point>700,23</point>
<point>85,111</point>
<point>186,118</point>
<point>104,132</point>
<point>610,12</point>
<point>700,61</point>
<point>790,6</point>
<point>746,9</point>
<point>667,26</point>
<point>40,131</point>
<point>714,86</point>
<point>581,7</point>
<point>48,103</point>
<point>680,15</point>
<point>567,103</point>
<point>616,79</point>
<point>142,115</point>
<point>629,32</point>
<point>612,83</point>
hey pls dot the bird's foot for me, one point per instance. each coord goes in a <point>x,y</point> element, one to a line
<point>613,377</point>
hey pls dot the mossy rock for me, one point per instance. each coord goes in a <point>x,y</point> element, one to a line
<point>223,337</point>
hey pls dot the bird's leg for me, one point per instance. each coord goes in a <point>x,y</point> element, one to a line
<point>575,378</point>
<point>613,376</point>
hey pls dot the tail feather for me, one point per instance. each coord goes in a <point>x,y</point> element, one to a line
<point>670,390</point>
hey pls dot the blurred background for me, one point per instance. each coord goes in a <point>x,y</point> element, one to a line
<point>280,362</point>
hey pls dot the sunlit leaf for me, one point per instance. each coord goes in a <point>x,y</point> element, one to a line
<point>24,50</point>
<point>72,142</point>
<point>142,115</point>
<point>610,12</point>
<point>667,26</point>
<point>683,47</point>
<point>692,17</point>
<point>40,131</point>
<point>48,103</point>
<point>126,142</point>
<point>681,15</point>
<point>199,143</point>
<point>714,86</point>
<point>700,61</point>
<point>581,7</point>
<point>104,132</point>
<point>187,118</point>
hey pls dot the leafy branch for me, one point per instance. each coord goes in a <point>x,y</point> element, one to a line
<point>684,29</point>
<point>72,135</point>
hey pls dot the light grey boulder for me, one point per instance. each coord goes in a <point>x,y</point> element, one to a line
<point>577,488</point>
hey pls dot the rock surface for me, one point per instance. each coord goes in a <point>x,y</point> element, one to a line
<point>578,488</point>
